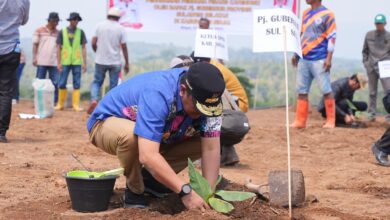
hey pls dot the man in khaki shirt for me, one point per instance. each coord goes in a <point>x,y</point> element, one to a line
<point>376,48</point>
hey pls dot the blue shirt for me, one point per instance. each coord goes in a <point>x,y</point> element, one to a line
<point>152,100</point>
<point>12,15</point>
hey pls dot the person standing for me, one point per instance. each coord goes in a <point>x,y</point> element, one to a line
<point>381,148</point>
<point>318,38</point>
<point>109,39</point>
<point>376,48</point>
<point>72,56</point>
<point>19,72</point>
<point>45,51</point>
<point>12,15</point>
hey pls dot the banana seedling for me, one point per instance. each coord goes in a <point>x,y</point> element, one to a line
<point>358,113</point>
<point>218,200</point>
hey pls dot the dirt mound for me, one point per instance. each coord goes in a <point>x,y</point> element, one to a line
<point>338,166</point>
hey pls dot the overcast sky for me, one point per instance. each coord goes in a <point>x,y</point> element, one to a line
<point>353,17</point>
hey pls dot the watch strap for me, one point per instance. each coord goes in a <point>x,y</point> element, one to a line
<point>182,193</point>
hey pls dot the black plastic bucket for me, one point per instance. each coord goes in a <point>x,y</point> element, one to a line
<point>90,195</point>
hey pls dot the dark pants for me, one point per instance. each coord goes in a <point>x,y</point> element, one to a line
<point>384,143</point>
<point>76,72</point>
<point>8,64</point>
<point>19,72</point>
<point>343,105</point>
<point>100,74</point>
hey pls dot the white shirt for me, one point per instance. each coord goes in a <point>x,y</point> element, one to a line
<point>110,35</point>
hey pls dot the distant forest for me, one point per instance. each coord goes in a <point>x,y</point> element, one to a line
<point>267,69</point>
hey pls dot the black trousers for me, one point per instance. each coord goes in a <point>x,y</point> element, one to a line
<point>384,143</point>
<point>8,64</point>
<point>343,104</point>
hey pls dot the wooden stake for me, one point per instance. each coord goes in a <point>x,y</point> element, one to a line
<point>287,123</point>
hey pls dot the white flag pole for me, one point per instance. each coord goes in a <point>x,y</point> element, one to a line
<point>287,123</point>
<point>215,50</point>
<point>256,86</point>
<point>299,8</point>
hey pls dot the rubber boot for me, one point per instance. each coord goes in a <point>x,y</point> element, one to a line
<point>301,114</point>
<point>61,99</point>
<point>330,108</point>
<point>229,156</point>
<point>76,100</point>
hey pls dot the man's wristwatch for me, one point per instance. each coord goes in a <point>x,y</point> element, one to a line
<point>185,190</point>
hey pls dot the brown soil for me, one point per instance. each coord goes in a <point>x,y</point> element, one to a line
<point>339,169</point>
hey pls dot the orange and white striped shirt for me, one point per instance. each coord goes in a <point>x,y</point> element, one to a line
<point>318,34</point>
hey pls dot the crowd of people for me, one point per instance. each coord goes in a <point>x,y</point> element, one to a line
<point>154,121</point>
<point>318,37</point>
<point>59,52</point>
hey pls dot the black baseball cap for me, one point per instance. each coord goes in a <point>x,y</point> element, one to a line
<point>53,16</point>
<point>205,83</point>
<point>74,16</point>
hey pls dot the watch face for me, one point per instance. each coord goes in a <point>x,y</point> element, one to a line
<point>187,189</point>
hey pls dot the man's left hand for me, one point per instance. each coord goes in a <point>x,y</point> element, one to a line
<point>84,67</point>
<point>327,65</point>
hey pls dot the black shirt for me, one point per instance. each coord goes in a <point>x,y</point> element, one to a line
<point>71,37</point>
<point>340,90</point>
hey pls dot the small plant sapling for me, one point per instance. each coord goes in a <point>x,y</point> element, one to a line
<point>358,114</point>
<point>218,200</point>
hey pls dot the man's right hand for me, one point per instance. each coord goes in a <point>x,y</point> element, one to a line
<point>35,61</point>
<point>194,201</point>
<point>59,67</point>
<point>348,119</point>
<point>294,61</point>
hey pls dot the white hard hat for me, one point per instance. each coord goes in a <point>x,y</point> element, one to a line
<point>181,61</point>
<point>114,12</point>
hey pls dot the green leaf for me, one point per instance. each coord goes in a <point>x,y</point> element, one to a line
<point>198,183</point>
<point>234,195</point>
<point>220,205</point>
<point>360,115</point>
<point>351,105</point>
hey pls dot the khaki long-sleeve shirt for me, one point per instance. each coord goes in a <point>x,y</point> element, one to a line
<point>376,48</point>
